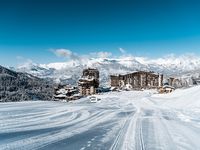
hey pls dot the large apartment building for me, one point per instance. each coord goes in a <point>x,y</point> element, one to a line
<point>89,82</point>
<point>137,80</point>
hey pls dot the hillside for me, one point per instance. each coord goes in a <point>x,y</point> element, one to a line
<point>16,86</point>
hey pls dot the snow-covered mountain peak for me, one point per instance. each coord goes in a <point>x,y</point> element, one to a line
<point>71,70</point>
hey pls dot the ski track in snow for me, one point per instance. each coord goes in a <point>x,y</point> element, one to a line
<point>131,120</point>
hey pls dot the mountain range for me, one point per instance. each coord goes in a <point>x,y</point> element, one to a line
<point>183,67</point>
<point>36,81</point>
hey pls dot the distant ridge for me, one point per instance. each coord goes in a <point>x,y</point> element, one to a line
<point>184,67</point>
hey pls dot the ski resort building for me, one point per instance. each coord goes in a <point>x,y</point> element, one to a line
<point>137,80</point>
<point>174,82</point>
<point>89,82</point>
<point>64,92</point>
<point>196,81</point>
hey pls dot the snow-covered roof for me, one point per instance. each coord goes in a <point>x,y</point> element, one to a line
<point>77,94</point>
<point>113,88</point>
<point>62,91</point>
<point>85,79</point>
<point>168,86</point>
<point>60,96</point>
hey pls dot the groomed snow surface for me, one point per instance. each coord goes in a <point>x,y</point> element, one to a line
<point>134,120</point>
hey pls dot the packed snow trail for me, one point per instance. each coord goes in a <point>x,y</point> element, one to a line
<point>131,120</point>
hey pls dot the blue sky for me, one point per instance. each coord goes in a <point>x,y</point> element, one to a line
<point>30,29</point>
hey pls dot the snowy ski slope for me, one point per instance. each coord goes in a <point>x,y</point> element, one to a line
<point>129,120</point>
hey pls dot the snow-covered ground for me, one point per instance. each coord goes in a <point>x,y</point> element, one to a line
<point>122,120</point>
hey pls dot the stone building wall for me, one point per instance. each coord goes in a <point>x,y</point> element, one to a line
<point>137,80</point>
<point>89,82</point>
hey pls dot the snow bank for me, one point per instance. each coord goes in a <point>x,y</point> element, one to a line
<point>181,98</point>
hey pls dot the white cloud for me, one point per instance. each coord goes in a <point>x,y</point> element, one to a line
<point>25,64</point>
<point>66,54</point>
<point>123,51</point>
<point>62,52</point>
<point>70,55</point>
<point>101,54</point>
